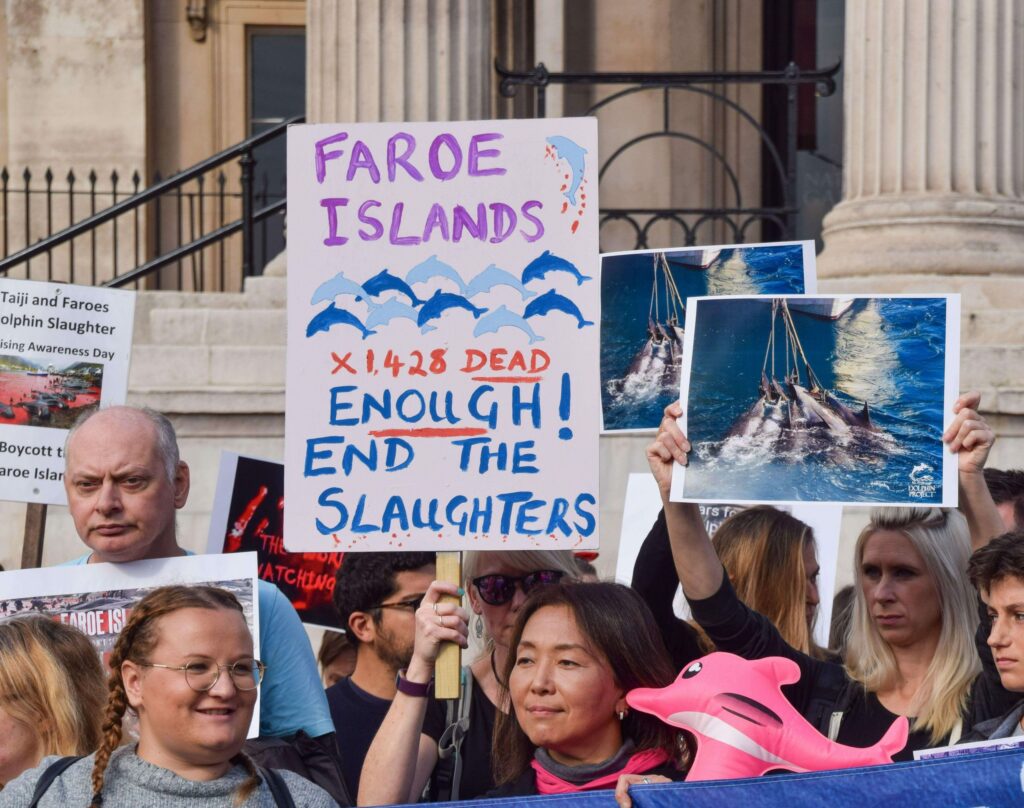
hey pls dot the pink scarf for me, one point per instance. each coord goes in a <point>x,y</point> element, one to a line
<point>547,783</point>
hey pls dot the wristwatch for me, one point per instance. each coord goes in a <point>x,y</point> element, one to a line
<point>419,690</point>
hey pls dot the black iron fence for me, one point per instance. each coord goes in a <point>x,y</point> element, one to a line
<point>739,214</point>
<point>203,229</point>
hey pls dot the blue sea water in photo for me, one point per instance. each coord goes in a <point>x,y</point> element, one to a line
<point>888,352</point>
<point>636,400</point>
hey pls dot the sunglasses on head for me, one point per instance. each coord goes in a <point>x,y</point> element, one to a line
<point>499,589</point>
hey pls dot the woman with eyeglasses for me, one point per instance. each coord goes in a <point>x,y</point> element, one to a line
<point>912,648</point>
<point>184,665</point>
<point>404,755</point>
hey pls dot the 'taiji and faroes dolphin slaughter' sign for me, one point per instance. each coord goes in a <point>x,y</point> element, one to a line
<point>442,336</point>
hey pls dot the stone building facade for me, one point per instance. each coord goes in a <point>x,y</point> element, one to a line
<point>933,156</point>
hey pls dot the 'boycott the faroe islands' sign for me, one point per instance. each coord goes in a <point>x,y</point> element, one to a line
<point>442,336</point>
<point>64,351</point>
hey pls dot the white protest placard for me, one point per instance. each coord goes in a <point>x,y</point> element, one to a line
<point>640,511</point>
<point>442,336</point>
<point>64,350</point>
<point>98,598</point>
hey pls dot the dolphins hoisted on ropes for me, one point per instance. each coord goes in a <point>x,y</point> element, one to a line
<point>798,406</point>
<point>657,364</point>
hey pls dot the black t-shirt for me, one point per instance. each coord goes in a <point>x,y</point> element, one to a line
<point>476,747</point>
<point>357,716</point>
<point>866,721</point>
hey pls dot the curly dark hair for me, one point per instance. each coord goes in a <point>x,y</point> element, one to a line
<point>1007,486</point>
<point>366,579</point>
<point>1003,557</point>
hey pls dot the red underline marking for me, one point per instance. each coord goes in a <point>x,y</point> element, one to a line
<point>429,432</point>
<point>508,379</point>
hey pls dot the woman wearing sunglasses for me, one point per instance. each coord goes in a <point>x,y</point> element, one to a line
<point>184,664</point>
<point>404,755</point>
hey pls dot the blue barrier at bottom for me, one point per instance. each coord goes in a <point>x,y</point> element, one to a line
<point>992,780</point>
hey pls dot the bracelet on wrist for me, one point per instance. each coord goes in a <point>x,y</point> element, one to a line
<point>418,690</point>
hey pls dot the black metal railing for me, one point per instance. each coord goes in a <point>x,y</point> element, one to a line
<point>736,221</point>
<point>204,229</point>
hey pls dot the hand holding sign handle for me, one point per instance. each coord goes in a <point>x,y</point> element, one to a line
<point>446,673</point>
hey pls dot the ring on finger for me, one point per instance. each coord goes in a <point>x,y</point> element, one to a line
<point>435,608</point>
<point>440,621</point>
<point>645,780</point>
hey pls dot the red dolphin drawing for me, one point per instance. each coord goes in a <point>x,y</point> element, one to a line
<point>744,725</point>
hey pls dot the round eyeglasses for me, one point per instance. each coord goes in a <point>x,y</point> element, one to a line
<point>203,675</point>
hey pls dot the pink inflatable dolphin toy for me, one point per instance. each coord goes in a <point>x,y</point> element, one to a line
<point>744,725</point>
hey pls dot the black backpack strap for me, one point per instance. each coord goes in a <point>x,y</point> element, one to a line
<point>278,787</point>
<point>51,773</point>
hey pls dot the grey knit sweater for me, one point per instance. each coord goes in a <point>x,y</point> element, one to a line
<point>131,782</point>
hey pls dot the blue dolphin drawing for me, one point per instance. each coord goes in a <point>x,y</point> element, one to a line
<point>327,318</point>
<point>338,285</point>
<point>384,280</point>
<point>433,267</point>
<point>494,276</point>
<point>391,309</point>
<point>552,301</point>
<point>573,154</point>
<point>440,303</point>
<point>502,317</point>
<point>549,262</point>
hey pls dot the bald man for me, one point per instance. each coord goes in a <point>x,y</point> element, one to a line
<point>125,482</point>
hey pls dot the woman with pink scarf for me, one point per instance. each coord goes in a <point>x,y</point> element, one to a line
<point>577,649</point>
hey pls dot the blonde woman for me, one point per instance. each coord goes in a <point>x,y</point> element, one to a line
<point>911,649</point>
<point>52,691</point>
<point>404,754</point>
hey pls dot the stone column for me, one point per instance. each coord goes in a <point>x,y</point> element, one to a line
<point>398,60</point>
<point>933,174</point>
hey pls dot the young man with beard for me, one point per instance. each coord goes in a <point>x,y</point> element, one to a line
<point>377,595</point>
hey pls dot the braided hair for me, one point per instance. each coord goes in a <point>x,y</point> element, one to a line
<point>135,643</point>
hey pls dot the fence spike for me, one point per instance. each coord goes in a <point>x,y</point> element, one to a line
<point>71,176</point>
<point>27,175</point>
<point>48,176</point>
<point>92,177</point>
<point>136,179</point>
<point>4,175</point>
<point>114,177</point>
<point>221,180</point>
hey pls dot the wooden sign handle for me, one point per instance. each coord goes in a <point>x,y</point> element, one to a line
<point>449,662</point>
<point>35,531</point>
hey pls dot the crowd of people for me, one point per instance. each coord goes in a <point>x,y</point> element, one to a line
<point>932,629</point>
